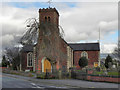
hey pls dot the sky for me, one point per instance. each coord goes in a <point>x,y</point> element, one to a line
<point>81,21</point>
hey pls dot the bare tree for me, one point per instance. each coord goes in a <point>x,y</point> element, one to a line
<point>32,32</point>
<point>116,52</point>
<point>30,36</point>
<point>13,55</point>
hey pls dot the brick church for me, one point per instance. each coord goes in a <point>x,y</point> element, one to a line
<point>52,52</point>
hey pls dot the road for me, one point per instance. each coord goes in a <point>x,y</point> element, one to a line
<point>15,81</point>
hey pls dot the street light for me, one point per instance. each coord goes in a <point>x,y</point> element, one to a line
<point>99,44</point>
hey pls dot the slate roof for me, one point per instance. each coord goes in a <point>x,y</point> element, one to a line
<point>27,48</point>
<point>84,46</point>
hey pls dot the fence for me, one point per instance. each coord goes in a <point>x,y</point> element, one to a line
<point>79,74</point>
<point>82,75</point>
<point>54,74</point>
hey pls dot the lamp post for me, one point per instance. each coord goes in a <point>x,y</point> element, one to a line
<point>99,44</point>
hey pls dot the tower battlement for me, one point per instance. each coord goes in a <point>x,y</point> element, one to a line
<point>48,10</point>
<point>49,15</point>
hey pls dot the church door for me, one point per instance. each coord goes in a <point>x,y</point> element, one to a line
<point>47,66</point>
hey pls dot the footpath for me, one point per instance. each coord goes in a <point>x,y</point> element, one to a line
<point>71,83</point>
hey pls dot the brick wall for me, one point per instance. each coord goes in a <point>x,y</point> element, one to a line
<point>24,62</point>
<point>60,58</point>
<point>104,79</point>
<point>51,12</point>
<point>93,56</point>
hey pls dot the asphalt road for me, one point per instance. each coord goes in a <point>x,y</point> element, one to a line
<point>14,81</point>
<point>10,82</point>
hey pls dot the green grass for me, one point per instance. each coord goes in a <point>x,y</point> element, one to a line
<point>109,73</point>
<point>114,73</point>
<point>99,73</point>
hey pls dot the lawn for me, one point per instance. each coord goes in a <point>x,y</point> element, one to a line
<point>109,73</point>
<point>99,73</point>
<point>114,73</point>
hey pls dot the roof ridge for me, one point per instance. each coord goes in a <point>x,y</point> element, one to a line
<point>83,43</point>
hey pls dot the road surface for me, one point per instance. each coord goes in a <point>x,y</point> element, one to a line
<point>15,81</point>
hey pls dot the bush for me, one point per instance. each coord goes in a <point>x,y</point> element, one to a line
<point>83,62</point>
<point>51,76</point>
<point>47,76</point>
<point>108,60</point>
<point>17,73</point>
<point>41,76</point>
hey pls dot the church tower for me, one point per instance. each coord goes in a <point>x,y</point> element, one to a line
<point>49,15</point>
<point>51,49</point>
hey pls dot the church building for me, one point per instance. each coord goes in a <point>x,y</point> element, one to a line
<point>52,52</point>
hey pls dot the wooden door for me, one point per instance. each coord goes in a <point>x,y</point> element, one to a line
<point>47,66</point>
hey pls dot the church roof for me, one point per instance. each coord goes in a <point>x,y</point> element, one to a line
<point>84,46</point>
<point>27,48</point>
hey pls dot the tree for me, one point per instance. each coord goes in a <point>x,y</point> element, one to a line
<point>4,61</point>
<point>83,62</point>
<point>108,60</point>
<point>116,52</point>
<point>13,54</point>
<point>31,35</point>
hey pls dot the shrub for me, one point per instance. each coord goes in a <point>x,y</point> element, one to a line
<point>41,76</point>
<point>108,60</point>
<point>83,62</point>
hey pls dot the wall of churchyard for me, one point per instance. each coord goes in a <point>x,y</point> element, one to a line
<point>103,78</point>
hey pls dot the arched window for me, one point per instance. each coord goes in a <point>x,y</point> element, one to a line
<point>45,19</point>
<point>49,19</point>
<point>84,54</point>
<point>29,59</point>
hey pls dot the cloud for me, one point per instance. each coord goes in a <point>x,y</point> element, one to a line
<point>83,22</point>
<point>108,47</point>
<point>13,23</point>
<point>80,22</point>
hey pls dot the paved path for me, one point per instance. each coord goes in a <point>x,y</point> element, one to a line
<point>56,83</point>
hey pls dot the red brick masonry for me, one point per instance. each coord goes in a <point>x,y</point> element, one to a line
<point>93,56</point>
<point>104,79</point>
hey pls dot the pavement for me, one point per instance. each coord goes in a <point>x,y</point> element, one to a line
<point>16,81</point>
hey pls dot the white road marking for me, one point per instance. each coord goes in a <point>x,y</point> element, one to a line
<point>39,87</point>
<point>33,83</point>
<point>35,86</point>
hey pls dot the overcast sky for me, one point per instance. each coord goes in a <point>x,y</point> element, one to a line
<point>81,21</point>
